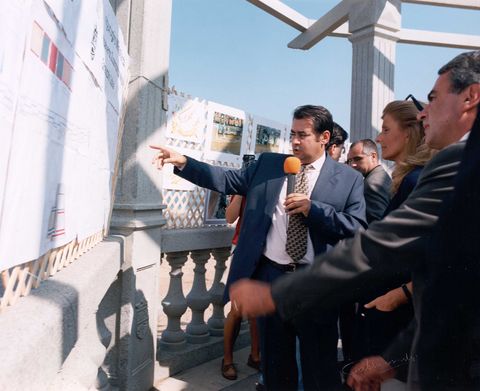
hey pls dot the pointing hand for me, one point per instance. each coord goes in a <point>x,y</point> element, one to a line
<point>165,155</point>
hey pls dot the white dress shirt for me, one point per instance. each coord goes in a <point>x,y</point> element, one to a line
<point>465,136</point>
<point>277,234</point>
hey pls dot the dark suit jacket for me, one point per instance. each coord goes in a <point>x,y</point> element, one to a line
<point>393,245</point>
<point>337,210</point>
<point>377,193</point>
<point>448,339</point>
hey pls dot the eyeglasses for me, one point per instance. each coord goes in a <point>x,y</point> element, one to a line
<point>417,104</point>
<point>299,135</point>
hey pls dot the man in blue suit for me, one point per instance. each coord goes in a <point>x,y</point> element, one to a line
<point>331,206</point>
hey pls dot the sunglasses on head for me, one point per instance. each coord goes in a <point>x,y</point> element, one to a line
<point>417,104</point>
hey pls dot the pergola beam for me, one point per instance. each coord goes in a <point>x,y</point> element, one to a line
<point>323,27</point>
<point>466,4</point>
<point>432,38</point>
<point>341,31</point>
<point>283,12</point>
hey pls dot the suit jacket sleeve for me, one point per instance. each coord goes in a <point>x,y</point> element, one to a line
<point>375,256</point>
<point>216,178</point>
<point>335,225</point>
<point>377,193</point>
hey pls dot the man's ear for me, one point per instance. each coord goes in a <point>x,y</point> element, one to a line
<point>472,96</point>
<point>325,137</point>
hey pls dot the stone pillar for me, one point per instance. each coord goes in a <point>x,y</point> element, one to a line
<point>216,321</point>
<point>174,304</point>
<point>137,212</point>
<point>373,24</point>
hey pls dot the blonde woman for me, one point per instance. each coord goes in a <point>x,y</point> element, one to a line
<point>402,141</point>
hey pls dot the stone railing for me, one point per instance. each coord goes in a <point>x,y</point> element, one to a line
<point>198,299</point>
<point>191,313</point>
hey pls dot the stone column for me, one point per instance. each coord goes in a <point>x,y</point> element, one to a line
<point>217,319</point>
<point>137,213</point>
<point>373,24</point>
<point>198,299</point>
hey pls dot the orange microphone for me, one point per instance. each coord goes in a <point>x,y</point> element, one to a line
<point>291,167</point>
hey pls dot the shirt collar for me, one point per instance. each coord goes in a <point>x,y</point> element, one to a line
<point>465,136</point>
<point>317,164</point>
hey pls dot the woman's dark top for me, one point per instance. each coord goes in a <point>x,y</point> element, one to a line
<point>374,329</point>
<point>404,190</point>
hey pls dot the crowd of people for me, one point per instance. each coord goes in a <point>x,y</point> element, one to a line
<point>394,258</point>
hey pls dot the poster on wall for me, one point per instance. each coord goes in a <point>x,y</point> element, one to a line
<point>186,118</point>
<point>14,20</point>
<point>225,139</point>
<point>65,128</point>
<point>92,28</point>
<point>269,136</point>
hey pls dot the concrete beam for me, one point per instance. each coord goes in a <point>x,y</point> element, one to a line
<point>323,27</point>
<point>341,31</point>
<point>466,4</point>
<point>432,38</point>
<point>283,12</point>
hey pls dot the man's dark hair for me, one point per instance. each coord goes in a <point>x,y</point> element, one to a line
<point>322,119</point>
<point>464,71</point>
<point>338,136</point>
<point>368,146</point>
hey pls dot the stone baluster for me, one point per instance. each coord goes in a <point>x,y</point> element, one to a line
<point>174,303</point>
<point>198,299</point>
<point>217,319</point>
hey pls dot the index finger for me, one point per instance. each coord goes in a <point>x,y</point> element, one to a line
<point>372,304</point>
<point>156,147</point>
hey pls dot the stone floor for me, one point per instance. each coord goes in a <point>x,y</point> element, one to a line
<point>207,377</point>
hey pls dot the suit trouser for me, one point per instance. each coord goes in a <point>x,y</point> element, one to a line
<point>318,337</point>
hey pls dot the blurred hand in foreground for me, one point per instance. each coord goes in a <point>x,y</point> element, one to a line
<point>369,374</point>
<point>252,298</point>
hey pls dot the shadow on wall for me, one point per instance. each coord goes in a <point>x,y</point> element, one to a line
<point>64,297</point>
<point>126,336</point>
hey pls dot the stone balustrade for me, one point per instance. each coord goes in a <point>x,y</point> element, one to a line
<point>192,283</point>
<point>198,299</point>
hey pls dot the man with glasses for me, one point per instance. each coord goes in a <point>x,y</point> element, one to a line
<point>363,157</point>
<point>281,233</point>
<point>336,145</point>
<point>395,244</point>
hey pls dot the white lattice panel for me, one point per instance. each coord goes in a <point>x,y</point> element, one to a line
<point>184,208</point>
<point>19,280</point>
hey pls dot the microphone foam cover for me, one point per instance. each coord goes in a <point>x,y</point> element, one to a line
<point>292,165</point>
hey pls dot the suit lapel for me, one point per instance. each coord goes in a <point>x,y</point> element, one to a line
<point>325,180</point>
<point>275,178</point>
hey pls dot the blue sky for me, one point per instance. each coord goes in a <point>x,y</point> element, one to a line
<point>233,53</point>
